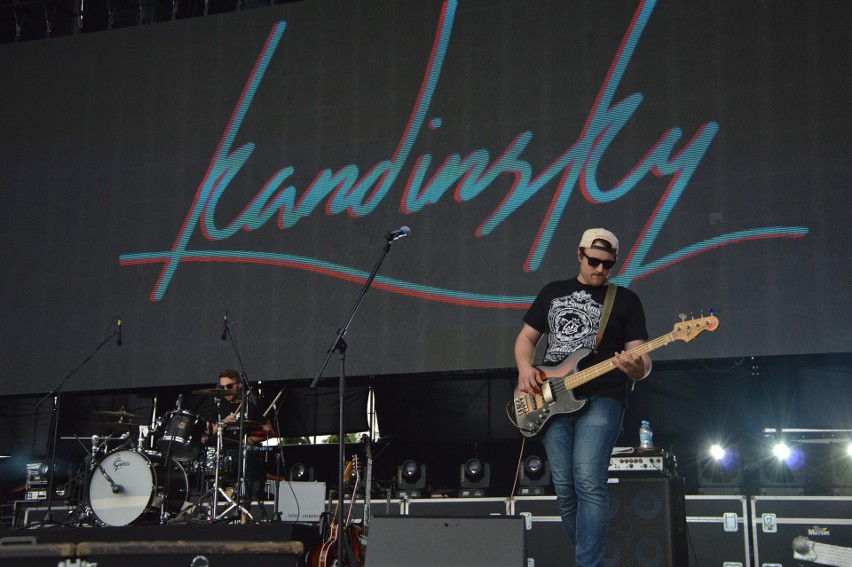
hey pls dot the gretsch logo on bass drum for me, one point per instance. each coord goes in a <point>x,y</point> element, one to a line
<point>119,463</point>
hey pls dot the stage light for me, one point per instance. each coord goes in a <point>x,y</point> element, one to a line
<point>410,479</point>
<point>718,452</point>
<point>783,473</point>
<point>721,471</point>
<point>300,472</point>
<point>841,469</point>
<point>782,451</point>
<point>474,478</point>
<point>534,476</point>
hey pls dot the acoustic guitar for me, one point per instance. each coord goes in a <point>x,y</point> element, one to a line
<point>325,555</point>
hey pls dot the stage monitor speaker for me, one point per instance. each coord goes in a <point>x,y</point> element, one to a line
<point>647,526</point>
<point>449,541</point>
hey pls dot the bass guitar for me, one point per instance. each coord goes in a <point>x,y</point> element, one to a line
<point>531,411</point>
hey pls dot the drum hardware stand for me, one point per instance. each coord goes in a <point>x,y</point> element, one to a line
<point>167,455</point>
<point>218,489</point>
<point>279,450</point>
<point>339,345</point>
<point>86,515</point>
<point>56,394</point>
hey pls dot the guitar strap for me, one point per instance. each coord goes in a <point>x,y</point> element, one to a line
<point>607,308</point>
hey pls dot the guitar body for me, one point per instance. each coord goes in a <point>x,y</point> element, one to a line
<point>533,410</point>
<point>326,554</point>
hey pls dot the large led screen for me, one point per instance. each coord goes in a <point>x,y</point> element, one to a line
<point>244,169</point>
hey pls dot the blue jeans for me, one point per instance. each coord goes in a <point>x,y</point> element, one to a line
<point>578,448</point>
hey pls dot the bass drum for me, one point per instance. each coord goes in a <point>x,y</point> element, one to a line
<point>138,489</point>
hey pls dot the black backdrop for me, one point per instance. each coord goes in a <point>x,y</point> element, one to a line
<point>712,137</point>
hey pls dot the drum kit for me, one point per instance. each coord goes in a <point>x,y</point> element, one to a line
<point>161,473</point>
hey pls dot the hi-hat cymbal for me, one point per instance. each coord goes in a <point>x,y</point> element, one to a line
<point>119,426</point>
<point>121,414</point>
<point>217,392</point>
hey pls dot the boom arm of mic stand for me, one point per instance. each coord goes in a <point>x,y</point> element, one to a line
<point>272,406</point>
<point>342,331</point>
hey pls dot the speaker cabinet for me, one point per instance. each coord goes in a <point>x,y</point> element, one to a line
<point>427,541</point>
<point>647,525</point>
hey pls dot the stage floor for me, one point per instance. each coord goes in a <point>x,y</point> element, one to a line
<point>175,544</point>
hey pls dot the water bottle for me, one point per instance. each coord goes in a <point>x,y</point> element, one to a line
<point>646,436</point>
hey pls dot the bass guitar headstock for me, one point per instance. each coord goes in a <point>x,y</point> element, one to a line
<point>687,330</point>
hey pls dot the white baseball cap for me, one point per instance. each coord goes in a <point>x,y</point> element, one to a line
<point>599,233</point>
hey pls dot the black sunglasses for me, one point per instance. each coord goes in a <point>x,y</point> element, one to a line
<point>231,386</point>
<point>595,262</point>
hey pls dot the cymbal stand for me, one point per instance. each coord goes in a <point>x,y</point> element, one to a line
<point>279,449</point>
<point>247,400</point>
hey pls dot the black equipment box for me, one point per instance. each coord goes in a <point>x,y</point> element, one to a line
<point>789,531</point>
<point>718,531</point>
<point>457,507</point>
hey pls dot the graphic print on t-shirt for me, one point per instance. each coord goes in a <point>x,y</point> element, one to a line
<point>573,322</point>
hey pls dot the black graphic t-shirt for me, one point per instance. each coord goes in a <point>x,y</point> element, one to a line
<point>569,312</point>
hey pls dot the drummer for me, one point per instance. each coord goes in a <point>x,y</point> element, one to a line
<point>227,411</point>
<point>230,407</point>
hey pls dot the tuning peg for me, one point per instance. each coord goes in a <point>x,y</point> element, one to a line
<point>682,316</point>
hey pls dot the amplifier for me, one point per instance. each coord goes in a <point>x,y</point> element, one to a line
<point>645,461</point>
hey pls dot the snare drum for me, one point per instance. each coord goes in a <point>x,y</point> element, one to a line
<point>181,435</point>
<point>127,487</point>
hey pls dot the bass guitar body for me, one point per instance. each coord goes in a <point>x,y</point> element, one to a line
<point>533,411</point>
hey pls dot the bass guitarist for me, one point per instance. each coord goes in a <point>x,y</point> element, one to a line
<point>579,444</point>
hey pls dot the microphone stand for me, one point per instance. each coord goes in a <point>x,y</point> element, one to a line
<point>247,400</point>
<point>340,345</point>
<point>56,393</point>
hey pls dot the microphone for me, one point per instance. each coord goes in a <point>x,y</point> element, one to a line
<point>401,232</point>
<point>118,340</point>
<point>179,401</point>
<point>225,327</point>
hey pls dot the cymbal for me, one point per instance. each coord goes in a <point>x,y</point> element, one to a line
<point>217,392</point>
<point>121,414</point>
<point>119,426</point>
<point>247,424</point>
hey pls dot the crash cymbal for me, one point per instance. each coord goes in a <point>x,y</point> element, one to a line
<point>120,414</point>
<point>119,426</point>
<point>217,392</point>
